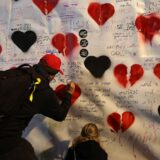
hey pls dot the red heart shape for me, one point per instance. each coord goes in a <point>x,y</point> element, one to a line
<point>156,70</point>
<point>114,120</point>
<point>120,72</point>
<point>136,73</point>
<point>60,92</point>
<point>65,43</point>
<point>45,6</point>
<point>148,25</point>
<point>101,12</point>
<point>127,120</point>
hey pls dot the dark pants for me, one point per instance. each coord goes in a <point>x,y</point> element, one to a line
<point>23,151</point>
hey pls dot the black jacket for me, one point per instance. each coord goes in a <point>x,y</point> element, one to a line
<point>89,150</point>
<point>44,102</point>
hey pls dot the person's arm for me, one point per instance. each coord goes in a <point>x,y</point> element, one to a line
<point>105,155</point>
<point>51,106</point>
<point>69,155</point>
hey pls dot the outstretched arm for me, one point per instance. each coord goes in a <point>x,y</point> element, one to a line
<point>52,107</point>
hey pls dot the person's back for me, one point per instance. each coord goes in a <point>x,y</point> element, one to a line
<point>87,146</point>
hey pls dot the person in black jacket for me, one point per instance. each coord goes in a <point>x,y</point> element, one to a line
<point>87,146</point>
<point>44,101</point>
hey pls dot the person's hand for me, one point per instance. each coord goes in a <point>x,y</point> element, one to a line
<point>71,87</point>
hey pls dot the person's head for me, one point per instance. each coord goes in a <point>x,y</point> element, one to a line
<point>51,64</point>
<point>88,132</point>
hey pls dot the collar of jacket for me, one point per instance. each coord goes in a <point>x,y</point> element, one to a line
<point>42,72</point>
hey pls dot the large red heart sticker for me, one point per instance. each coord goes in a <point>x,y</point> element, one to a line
<point>101,12</point>
<point>117,123</point>
<point>61,89</point>
<point>156,70</point>
<point>120,73</point>
<point>65,43</point>
<point>148,25</point>
<point>45,6</point>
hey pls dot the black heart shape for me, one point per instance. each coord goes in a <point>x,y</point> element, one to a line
<point>97,65</point>
<point>24,40</point>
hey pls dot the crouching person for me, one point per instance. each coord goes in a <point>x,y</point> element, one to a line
<point>42,100</point>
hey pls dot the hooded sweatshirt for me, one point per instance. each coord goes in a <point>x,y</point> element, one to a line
<point>88,150</point>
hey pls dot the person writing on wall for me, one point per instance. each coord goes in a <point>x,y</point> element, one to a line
<point>87,146</point>
<point>44,101</point>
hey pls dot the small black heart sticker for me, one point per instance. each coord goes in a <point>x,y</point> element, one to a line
<point>97,65</point>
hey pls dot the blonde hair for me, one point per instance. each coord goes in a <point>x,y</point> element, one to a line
<point>89,132</point>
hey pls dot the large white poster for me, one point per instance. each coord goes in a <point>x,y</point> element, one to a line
<point>111,49</point>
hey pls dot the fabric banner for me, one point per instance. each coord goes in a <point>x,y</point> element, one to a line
<point>111,50</point>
